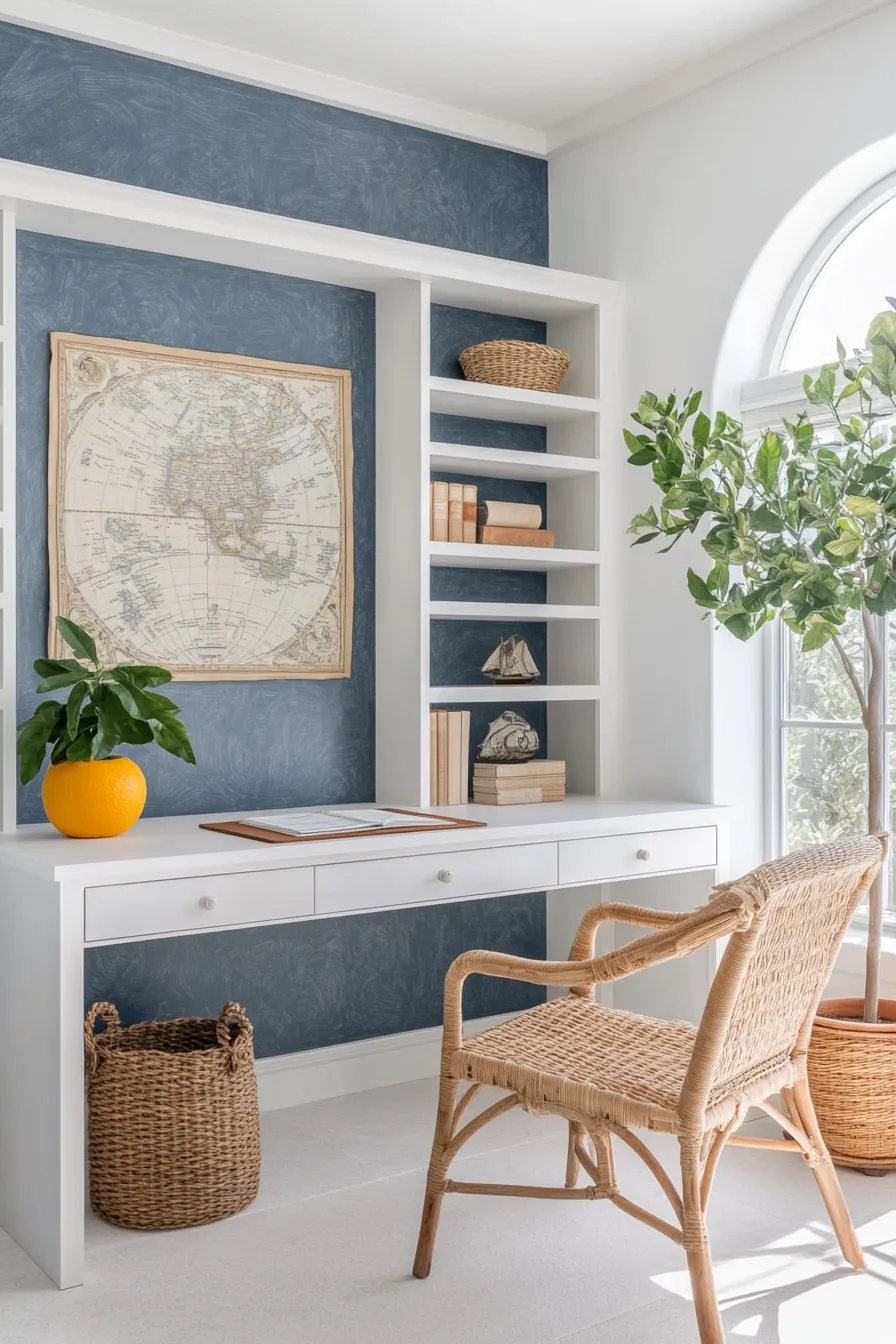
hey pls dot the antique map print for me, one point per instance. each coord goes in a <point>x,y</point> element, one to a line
<point>200,509</point>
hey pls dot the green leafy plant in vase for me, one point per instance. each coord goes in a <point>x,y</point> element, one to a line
<point>87,790</point>
<point>800,524</point>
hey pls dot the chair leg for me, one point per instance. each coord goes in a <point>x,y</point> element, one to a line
<point>798,1100</point>
<point>696,1243</point>
<point>435,1179</point>
<point>577,1134</point>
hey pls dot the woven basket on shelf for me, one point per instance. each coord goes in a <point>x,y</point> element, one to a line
<point>852,1078</point>
<point>515,364</point>
<point>173,1119</point>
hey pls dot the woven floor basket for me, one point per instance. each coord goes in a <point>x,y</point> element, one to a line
<point>852,1078</point>
<point>173,1118</point>
<point>515,364</point>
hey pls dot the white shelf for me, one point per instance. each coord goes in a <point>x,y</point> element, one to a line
<point>510,611</point>
<point>48,200</point>
<point>487,401</point>
<point>472,695</point>
<point>465,555</point>
<point>470,460</point>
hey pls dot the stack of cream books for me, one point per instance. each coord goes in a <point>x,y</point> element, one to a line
<point>452,512</point>
<point>449,755</point>
<point>501,783</point>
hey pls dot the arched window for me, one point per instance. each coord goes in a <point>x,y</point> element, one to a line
<point>817,746</point>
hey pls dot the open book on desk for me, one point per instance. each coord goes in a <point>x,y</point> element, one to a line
<point>343,821</point>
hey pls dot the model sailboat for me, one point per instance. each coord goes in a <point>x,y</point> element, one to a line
<point>511,664</point>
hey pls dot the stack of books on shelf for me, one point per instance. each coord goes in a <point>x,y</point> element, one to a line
<point>505,524</point>
<point>449,755</point>
<point>498,784</point>
<point>452,512</point>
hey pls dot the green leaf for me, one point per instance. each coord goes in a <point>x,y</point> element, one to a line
<point>845,548</point>
<point>717,578</point>
<point>59,681</point>
<point>766,520</point>
<point>740,626</point>
<point>882,331</point>
<point>700,592</point>
<point>644,538</point>
<point>693,403</point>
<point>144,676</point>
<point>816,636</point>
<point>53,667</point>
<point>172,736</point>
<point>73,709</point>
<point>701,430</point>
<point>77,639</point>
<point>643,457</point>
<point>34,735</point>
<point>861,506</point>
<point>883,369</point>
<point>139,703</point>
<point>81,749</point>
<point>768,461</point>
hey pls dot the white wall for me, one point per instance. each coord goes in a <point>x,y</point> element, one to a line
<point>681,205</point>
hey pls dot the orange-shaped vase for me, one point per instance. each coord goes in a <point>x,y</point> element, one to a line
<point>90,800</point>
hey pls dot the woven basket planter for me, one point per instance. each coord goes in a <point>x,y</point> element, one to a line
<point>515,364</point>
<point>173,1119</point>
<point>852,1078</point>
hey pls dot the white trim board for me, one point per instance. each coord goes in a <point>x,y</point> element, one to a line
<point>356,1066</point>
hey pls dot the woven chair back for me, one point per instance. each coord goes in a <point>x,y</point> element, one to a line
<point>772,975</point>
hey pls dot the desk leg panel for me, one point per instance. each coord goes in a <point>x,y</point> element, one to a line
<point>42,1072</point>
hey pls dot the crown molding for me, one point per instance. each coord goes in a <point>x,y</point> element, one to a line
<point>68,19</point>
<point>752,50</point>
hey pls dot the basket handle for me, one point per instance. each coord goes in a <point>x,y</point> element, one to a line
<point>108,1013</point>
<point>240,1044</point>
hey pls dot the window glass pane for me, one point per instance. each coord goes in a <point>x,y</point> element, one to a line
<point>825,771</point>
<point>847,292</point>
<point>817,684</point>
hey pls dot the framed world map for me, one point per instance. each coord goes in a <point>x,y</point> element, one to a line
<point>201,509</point>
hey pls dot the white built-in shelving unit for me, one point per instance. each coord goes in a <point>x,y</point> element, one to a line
<point>581,313</point>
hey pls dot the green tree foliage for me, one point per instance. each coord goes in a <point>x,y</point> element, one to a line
<point>106,706</point>
<point>799,523</point>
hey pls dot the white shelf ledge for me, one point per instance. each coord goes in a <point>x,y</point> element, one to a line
<point>48,200</point>
<point>508,464</point>
<point>511,611</point>
<point>471,695</point>
<point>460,555</point>
<point>488,401</point>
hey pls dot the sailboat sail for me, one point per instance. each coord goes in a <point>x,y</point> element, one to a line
<point>511,662</point>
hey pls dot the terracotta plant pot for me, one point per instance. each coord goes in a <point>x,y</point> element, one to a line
<point>89,800</point>
<point>852,1077</point>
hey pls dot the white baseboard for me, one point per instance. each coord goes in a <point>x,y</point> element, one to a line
<point>357,1066</point>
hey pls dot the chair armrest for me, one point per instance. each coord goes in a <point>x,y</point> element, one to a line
<point>583,943</point>
<point>685,934</point>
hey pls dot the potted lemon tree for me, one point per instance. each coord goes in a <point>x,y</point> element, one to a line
<point>88,791</point>
<point>799,524</point>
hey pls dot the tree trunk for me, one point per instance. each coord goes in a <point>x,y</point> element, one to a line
<point>874,717</point>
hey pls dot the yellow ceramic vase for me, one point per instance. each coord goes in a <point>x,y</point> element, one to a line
<point>89,800</point>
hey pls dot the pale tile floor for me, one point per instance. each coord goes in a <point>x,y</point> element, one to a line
<point>324,1256</point>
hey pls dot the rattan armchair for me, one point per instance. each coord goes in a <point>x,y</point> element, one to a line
<point>608,1072</point>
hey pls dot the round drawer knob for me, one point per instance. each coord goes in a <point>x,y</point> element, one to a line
<point>446,875</point>
<point>644,854</point>
<point>207,902</point>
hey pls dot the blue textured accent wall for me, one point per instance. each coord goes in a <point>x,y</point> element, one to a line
<point>258,743</point>
<point>102,113</point>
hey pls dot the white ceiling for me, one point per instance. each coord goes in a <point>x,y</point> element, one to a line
<point>533,67</point>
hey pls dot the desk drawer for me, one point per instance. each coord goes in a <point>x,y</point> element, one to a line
<point>147,909</point>
<point>420,878</point>
<point>614,856</point>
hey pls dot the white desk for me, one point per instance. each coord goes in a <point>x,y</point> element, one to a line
<point>166,877</point>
